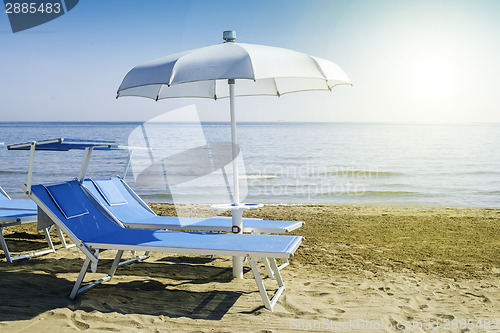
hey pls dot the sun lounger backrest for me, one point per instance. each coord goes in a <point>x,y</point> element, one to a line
<point>109,192</point>
<point>69,203</point>
<point>113,194</point>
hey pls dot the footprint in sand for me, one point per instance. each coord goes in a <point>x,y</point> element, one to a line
<point>484,298</point>
<point>79,324</point>
<point>407,309</point>
<point>320,294</point>
<point>445,316</point>
<point>291,304</point>
<point>386,290</point>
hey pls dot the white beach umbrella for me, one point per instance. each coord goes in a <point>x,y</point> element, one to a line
<point>232,69</point>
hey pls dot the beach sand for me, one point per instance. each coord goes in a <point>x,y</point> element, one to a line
<point>360,269</point>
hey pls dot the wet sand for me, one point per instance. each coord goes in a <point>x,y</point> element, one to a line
<point>360,268</point>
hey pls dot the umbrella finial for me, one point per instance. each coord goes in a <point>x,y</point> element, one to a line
<point>229,36</point>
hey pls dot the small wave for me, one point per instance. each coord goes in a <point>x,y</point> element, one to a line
<point>13,172</point>
<point>363,173</point>
<point>387,193</point>
<point>492,192</point>
<point>258,177</point>
<point>470,173</point>
<point>162,195</point>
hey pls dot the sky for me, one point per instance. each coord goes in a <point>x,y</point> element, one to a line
<point>409,61</point>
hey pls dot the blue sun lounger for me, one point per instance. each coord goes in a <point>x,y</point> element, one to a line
<point>126,206</point>
<point>86,223</point>
<point>16,212</point>
<point>121,201</point>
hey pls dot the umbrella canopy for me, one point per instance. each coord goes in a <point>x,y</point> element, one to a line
<point>256,69</point>
<point>229,70</point>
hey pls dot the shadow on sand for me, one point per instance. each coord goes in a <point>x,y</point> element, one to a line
<point>32,287</point>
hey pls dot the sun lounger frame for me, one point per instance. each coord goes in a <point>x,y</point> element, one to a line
<point>269,303</point>
<point>167,226</point>
<point>63,144</point>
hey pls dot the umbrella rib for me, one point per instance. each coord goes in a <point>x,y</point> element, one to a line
<point>251,60</point>
<point>318,66</point>
<point>276,87</point>
<point>158,93</point>
<point>169,83</point>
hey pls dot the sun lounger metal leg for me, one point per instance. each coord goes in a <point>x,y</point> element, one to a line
<point>10,259</point>
<point>277,273</point>
<point>284,264</point>
<point>280,267</point>
<point>49,240</point>
<point>4,246</point>
<point>93,266</point>
<point>61,237</point>
<point>80,278</point>
<point>144,256</point>
<point>268,303</point>
<point>63,240</point>
<point>76,288</point>
<point>269,271</point>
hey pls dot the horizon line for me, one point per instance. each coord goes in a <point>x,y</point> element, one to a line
<point>256,122</point>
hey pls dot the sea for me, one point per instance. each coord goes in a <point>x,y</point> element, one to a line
<point>398,165</point>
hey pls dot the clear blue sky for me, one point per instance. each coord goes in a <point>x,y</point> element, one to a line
<point>410,61</point>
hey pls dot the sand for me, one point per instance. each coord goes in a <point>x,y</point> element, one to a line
<point>360,269</point>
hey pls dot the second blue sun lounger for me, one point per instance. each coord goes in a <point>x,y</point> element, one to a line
<point>126,206</point>
<point>121,201</point>
<point>16,212</point>
<point>87,225</point>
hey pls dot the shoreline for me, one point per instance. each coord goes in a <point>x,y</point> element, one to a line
<point>340,204</point>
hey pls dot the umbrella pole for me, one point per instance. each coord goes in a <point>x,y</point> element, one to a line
<point>236,196</point>
<point>236,213</point>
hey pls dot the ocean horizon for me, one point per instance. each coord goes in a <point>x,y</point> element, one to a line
<point>392,164</point>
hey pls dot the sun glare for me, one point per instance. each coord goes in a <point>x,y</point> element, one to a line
<point>432,78</point>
